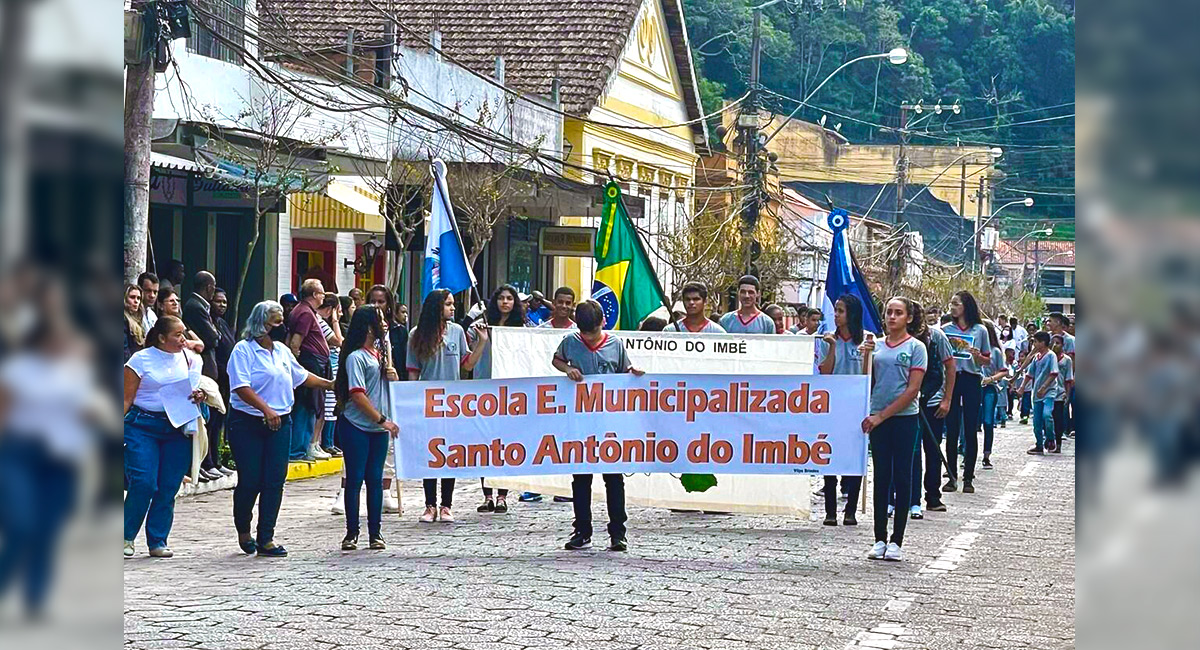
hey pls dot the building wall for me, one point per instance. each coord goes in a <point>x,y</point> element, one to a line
<point>644,90</point>
<point>808,152</point>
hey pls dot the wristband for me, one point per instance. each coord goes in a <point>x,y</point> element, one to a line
<point>382,419</point>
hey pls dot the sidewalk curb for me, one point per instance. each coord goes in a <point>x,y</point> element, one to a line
<point>313,469</point>
<point>296,471</point>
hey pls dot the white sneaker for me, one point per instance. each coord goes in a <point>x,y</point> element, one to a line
<point>339,504</point>
<point>877,551</point>
<point>893,553</point>
<point>390,503</point>
<point>128,550</point>
<point>316,452</point>
<point>916,513</point>
<point>891,510</point>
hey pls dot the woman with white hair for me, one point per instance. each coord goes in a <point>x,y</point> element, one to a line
<point>262,375</point>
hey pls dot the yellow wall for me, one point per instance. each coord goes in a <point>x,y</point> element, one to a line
<point>807,152</point>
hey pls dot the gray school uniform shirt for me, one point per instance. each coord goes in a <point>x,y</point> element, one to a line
<point>607,358</point>
<point>979,340</point>
<point>709,327</point>
<point>1066,372</point>
<point>446,361</point>
<point>364,375</point>
<point>761,324</point>
<point>1045,366</point>
<point>847,359</point>
<point>891,366</point>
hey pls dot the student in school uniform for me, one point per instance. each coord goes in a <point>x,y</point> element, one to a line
<point>747,319</point>
<point>898,368</point>
<point>592,351</point>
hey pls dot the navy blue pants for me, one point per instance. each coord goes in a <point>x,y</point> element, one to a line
<point>364,453</point>
<point>893,444</point>
<point>261,456</point>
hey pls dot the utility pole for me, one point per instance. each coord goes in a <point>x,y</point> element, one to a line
<point>976,253</point>
<point>748,126</point>
<point>139,109</point>
<point>896,268</point>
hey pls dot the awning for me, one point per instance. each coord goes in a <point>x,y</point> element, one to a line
<point>342,206</point>
<point>163,161</point>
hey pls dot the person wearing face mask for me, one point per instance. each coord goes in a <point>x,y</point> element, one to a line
<point>263,375</point>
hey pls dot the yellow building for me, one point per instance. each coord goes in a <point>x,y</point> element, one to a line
<point>652,84</point>
<point>810,152</point>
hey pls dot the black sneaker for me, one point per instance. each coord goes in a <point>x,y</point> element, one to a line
<point>618,545</point>
<point>849,520</point>
<point>1024,420</point>
<point>334,452</point>
<point>1050,445</point>
<point>1035,451</point>
<point>377,543</point>
<point>578,542</point>
<point>968,487</point>
<point>950,486</point>
<point>987,463</point>
<point>350,542</point>
<point>936,507</point>
<point>488,506</point>
<point>562,499</point>
<point>830,520</point>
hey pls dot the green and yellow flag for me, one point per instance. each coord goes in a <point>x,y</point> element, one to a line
<point>625,284</point>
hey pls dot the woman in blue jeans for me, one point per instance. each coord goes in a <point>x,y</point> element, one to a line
<point>364,426</point>
<point>263,374</point>
<point>991,372</point>
<point>157,454</point>
<point>898,367</point>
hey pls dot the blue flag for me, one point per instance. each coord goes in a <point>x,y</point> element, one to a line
<point>445,261</point>
<point>843,277</point>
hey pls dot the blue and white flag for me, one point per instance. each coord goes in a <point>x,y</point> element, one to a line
<point>445,261</point>
<point>843,277</point>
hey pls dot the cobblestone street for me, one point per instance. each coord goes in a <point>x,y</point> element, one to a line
<point>996,571</point>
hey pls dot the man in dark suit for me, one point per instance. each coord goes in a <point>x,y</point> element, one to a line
<point>197,316</point>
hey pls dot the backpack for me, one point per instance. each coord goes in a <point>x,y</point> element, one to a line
<point>935,374</point>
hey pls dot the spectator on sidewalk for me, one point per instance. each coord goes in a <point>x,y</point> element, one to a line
<point>157,454</point>
<point>310,348</point>
<point>323,433</point>
<point>135,335</point>
<point>262,377</point>
<point>148,283</point>
<point>226,339</point>
<point>197,315</point>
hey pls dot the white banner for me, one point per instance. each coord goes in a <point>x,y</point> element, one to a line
<point>698,424</point>
<point>527,352</point>
<point>518,352</point>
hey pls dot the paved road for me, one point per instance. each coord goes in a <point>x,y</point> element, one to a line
<point>996,571</point>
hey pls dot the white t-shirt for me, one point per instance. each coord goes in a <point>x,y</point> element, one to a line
<point>157,368</point>
<point>53,408</point>
<point>273,374</point>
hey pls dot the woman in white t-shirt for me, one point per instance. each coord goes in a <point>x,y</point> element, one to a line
<point>157,454</point>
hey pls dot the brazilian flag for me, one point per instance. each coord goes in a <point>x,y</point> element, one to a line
<point>625,284</point>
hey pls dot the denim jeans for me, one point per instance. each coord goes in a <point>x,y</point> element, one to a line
<point>1043,420</point>
<point>614,490</point>
<point>261,457</point>
<point>328,435</point>
<point>38,491</point>
<point>893,444</point>
<point>987,414</point>
<point>301,430</point>
<point>364,453</point>
<point>1026,404</point>
<point>157,456</point>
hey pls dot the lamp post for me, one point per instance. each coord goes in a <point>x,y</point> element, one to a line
<point>1025,263</point>
<point>974,243</point>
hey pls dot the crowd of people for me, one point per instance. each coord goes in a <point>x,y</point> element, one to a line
<point>307,379</point>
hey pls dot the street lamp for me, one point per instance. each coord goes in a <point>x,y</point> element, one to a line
<point>1027,202</point>
<point>896,56</point>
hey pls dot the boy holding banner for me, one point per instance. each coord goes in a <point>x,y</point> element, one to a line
<point>591,351</point>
